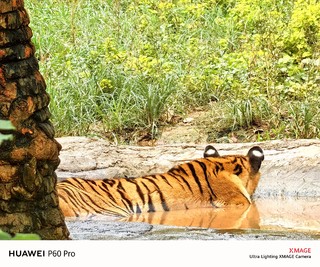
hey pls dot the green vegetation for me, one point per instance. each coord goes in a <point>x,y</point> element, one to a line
<point>5,125</point>
<point>115,68</point>
<point>6,236</point>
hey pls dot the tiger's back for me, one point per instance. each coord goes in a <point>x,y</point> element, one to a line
<point>212,181</point>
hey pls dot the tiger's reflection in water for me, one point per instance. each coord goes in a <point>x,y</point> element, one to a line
<point>233,217</point>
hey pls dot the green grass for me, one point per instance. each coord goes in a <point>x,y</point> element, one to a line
<point>115,68</point>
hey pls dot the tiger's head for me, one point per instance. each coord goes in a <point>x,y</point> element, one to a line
<point>241,171</point>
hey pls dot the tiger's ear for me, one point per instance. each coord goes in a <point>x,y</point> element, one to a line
<point>210,151</point>
<point>256,157</point>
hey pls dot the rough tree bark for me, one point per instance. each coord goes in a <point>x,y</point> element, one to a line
<point>28,200</point>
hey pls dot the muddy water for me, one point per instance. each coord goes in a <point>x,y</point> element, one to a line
<point>266,219</point>
<point>278,214</point>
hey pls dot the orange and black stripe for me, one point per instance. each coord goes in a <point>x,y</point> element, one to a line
<point>212,181</point>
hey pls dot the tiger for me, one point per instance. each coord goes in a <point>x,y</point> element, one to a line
<point>213,181</point>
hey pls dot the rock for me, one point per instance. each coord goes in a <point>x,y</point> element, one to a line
<point>188,120</point>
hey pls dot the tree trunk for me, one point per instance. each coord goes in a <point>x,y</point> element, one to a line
<point>28,199</point>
